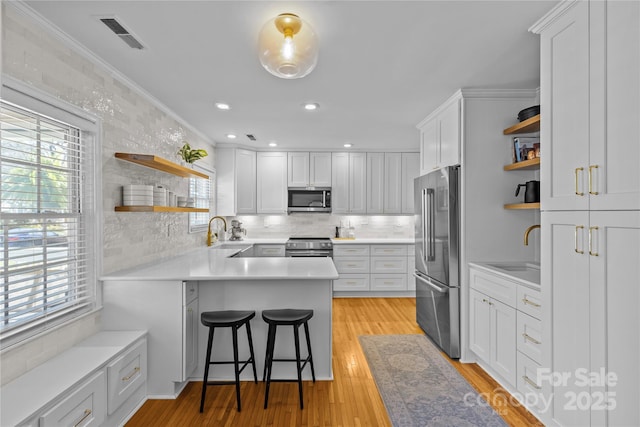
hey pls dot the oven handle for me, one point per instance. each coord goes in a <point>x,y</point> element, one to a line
<point>430,284</point>
<point>308,253</point>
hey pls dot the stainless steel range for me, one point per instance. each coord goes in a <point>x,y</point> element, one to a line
<point>309,247</point>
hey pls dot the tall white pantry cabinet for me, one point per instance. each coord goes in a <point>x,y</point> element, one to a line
<point>590,202</point>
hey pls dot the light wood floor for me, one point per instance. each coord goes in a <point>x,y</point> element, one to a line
<point>352,399</point>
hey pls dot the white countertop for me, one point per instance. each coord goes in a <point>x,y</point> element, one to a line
<point>375,241</point>
<point>525,272</point>
<point>213,264</point>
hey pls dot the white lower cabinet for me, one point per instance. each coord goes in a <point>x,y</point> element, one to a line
<point>125,375</point>
<point>268,250</point>
<point>351,282</point>
<point>85,406</point>
<point>190,324</point>
<point>388,282</point>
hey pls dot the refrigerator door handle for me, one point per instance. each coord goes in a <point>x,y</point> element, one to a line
<point>424,225</point>
<point>430,284</point>
<point>431,223</point>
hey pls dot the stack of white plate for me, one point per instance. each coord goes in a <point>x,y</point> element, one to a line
<point>137,195</point>
<point>160,196</point>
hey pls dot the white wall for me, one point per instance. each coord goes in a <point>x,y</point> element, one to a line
<point>131,122</point>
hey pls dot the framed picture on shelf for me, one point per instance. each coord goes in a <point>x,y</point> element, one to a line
<point>525,148</point>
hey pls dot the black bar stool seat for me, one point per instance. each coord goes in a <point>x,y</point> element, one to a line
<point>233,319</point>
<point>287,317</point>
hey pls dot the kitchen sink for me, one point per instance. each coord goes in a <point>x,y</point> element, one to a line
<point>525,266</point>
<point>231,246</point>
<point>520,270</point>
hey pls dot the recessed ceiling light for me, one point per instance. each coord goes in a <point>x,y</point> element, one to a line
<point>347,145</point>
<point>311,106</point>
<point>222,106</point>
<point>231,136</point>
<point>273,144</point>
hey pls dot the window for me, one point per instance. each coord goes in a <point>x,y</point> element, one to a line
<point>47,223</point>
<point>202,192</point>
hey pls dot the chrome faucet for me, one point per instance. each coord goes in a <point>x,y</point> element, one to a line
<point>527,231</point>
<point>210,239</point>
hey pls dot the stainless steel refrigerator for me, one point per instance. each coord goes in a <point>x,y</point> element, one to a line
<point>437,274</point>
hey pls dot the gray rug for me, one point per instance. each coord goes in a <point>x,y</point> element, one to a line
<point>420,388</point>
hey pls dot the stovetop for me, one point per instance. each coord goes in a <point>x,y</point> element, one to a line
<point>309,239</point>
<point>309,242</point>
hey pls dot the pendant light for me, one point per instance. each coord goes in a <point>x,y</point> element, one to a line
<point>288,47</point>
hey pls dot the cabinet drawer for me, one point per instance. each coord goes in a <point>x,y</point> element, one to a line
<point>389,265</point>
<point>388,282</point>
<point>352,265</point>
<point>388,250</point>
<point>85,406</point>
<point>496,287</point>
<point>190,292</point>
<point>126,375</point>
<point>269,250</point>
<point>529,385</point>
<point>530,336</point>
<point>350,250</point>
<point>530,301</point>
<point>352,282</point>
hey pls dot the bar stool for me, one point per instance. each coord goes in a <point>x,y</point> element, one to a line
<point>228,319</point>
<point>295,318</point>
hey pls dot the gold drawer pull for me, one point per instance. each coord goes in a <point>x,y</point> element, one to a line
<point>529,302</point>
<point>575,236</point>
<point>591,252</point>
<point>591,168</point>
<point>388,283</point>
<point>576,181</point>
<point>86,413</point>
<point>352,265</point>
<point>389,265</point>
<point>530,382</point>
<point>135,371</point>
<point>530,338</point>
<point>352,283</point>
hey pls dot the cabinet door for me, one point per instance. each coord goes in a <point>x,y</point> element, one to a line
<point>269,250</point>
<point>480,325</point>
<point>503,345</point>
<point>615,105</point>
<point>410,171</point>
<point>566,307</point>
<point>86,406</point>
<point>429,147</point>
<point>449,122</point>
<point>272,183</point>
<point>564,77</point>
<point>340,182</point>
<point>392,190</point>
<point>357,183</point>
<point>245,174</point>
<point>297,169</point>
<point>615,317</point>
<point>375,182</point>
<point>189,339</point>
<point>320,169</point>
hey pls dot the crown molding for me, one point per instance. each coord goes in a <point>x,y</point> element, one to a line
<point>551,16</point>
<point>72,43</point>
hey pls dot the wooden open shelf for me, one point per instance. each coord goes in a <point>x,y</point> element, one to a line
<point>522,206</point>
<point>158,163</point>
<point>532,124</point>
<point>524,165</point>
<point>158,209</point>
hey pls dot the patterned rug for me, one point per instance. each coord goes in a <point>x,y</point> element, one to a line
<point>420,388</point>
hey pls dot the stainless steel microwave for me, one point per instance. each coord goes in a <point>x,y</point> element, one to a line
<point>309,199</point>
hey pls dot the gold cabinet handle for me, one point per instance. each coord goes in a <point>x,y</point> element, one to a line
<point>575,248</point>
<point>576,181</point>
<point>530,382</point>
<point>487,301</point>
<point>529,302</point>
<point>85,415</point>
<point>591,251</point>
<point>591,168</point>
<point>530,338</point>
<point>135,371</point>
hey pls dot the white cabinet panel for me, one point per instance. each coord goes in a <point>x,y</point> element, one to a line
<point>190,339</point>
<point>531,385</point>
<point>340,183</point>
<point>320,169</point>
<point>272,183</point>
<point>503,346</point>
<point>388,265</point>
<point>375,182</point>
<point>350,250</point>
<point>440,137</point>
<point>388,282</point>
<point>352,265</point>
<point>298,169</point>
<point>529,337</point>
<point>235,181</point>
<point>357,183</point>
<point>389,250</point>
<point>393,183</point>
<point>410,171</point>
<point>85,406</point>
<point>429,146</point>
<point>529,301</point>
<point>245,171</point>
<point>268,250</point>
<point>351,282</point>
<point>450,135</point>
<point>125,375</point>
<point>411,267</point>
<point>480,324</point>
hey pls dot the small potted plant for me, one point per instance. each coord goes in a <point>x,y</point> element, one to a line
<point>190,155</point>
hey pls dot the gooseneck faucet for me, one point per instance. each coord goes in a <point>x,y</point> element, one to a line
<point>527,231</point>
<point>209,234</point>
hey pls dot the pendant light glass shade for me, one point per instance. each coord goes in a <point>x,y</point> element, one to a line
<point>288,47</point>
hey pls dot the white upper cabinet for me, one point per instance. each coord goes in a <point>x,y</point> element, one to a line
<point>358,182</point>
<point>375,183</point>
<point>340,181</point>
<point>320,169</point>
<point>349,182</point>
<point>309,169</point>
<point>410,171</point>
<point>236,181</point>
<point>272,183</point>
<point>393,183</point>
<point>590,64</point>
<point>440,137</point>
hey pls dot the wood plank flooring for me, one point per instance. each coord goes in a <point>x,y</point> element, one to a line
<point>352,399</point>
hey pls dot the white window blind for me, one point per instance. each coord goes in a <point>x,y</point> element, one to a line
<point>47,269</point>
<point>202,192</point>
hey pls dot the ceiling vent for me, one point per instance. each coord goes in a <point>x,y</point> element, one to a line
<point>251,137</point>
<point>121,32</point>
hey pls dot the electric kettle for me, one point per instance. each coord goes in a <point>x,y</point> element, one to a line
<point>531,191</point>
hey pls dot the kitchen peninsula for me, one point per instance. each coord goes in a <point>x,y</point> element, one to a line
<point>167,297</point>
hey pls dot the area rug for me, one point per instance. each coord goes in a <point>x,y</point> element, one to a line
<point>420,388</point>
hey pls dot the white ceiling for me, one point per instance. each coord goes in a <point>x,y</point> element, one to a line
<point>383,65</point>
